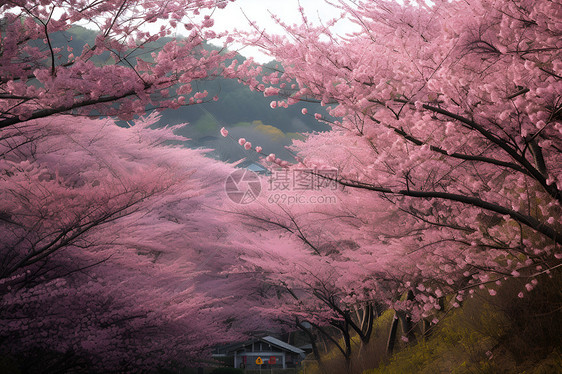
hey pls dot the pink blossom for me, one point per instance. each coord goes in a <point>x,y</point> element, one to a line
<point>165,203</point>
<point>271,91</point>
<point>224,132</point>
<point>200,95</point>
<point>208,22</point>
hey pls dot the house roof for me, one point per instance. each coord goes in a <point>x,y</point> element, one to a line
<point>256,168</point>
<point>266,339</point>
<point>282,344</point>
<point>251,165</point>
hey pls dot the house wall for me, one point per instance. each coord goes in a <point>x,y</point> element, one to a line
<point>249,359</point>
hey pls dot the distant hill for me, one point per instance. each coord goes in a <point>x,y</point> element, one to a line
<point>244,112</point>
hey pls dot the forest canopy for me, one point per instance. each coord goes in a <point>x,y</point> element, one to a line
<point>423,168</point>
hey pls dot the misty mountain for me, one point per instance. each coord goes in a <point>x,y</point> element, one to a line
<point>243,112</point>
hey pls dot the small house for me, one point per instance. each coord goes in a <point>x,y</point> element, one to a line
<point>266,352</point>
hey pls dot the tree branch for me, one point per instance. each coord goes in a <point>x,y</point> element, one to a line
<point>469,200</point>
<point>551,189</point>
<point>49,112</point>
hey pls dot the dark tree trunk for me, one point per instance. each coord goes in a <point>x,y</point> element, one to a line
<point>392,335</point>
<point>312,339</point>
<point>406,321</point>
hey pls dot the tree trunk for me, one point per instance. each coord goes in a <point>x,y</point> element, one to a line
<point>315,350</point>
<point>406,321</point>
<point>392,335</point>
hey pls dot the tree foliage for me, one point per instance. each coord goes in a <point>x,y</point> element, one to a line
<point>39,78</point>
<point>102,245</point>
<point>446,123</point>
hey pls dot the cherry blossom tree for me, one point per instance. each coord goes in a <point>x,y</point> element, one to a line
<point>447,118</point>
<point>113,240</point>
<point>119,75</point>
<point>108,237</point>
<point>327,270</point>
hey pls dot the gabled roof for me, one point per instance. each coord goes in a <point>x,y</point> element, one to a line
<point>281,344</point>
<point>266,339</point>
<point>257,168</point>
